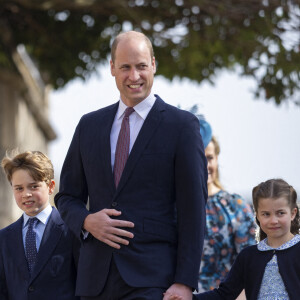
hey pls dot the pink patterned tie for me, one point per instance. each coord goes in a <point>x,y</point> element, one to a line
<point>122,149</point>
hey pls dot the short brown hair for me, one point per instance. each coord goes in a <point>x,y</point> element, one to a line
<point>121,35</point>
<point>38,165</point>
<point>274,189</point>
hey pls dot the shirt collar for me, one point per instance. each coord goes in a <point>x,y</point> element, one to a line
<point>263,245</point>
<point>142,109</point>
<point>42,216</point>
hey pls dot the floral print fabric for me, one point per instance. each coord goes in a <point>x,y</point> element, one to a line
<point>230,227</point>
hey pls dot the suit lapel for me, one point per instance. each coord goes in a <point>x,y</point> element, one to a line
<point>15,244</point>
<point>49,241</point>
<point>106,125</point>
<point>149,127</point>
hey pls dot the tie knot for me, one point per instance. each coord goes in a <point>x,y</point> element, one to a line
<point>128,112</point>
<point>32,221</point>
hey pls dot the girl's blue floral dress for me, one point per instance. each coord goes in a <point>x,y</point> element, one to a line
<point>230,227</point>
<point>272,286</point>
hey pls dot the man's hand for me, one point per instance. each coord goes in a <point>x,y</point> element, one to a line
<point>105,229</point>
<point>178,291</point>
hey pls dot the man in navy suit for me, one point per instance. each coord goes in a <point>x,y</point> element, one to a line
<point>143,231</point>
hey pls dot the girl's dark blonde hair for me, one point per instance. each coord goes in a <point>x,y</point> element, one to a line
<point>36,163</point>
<point>217,152</point>
<point>275,188</point>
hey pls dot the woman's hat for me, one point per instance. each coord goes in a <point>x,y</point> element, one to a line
<point>205,130</point>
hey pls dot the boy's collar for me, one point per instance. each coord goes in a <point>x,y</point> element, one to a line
<point>41,216</point>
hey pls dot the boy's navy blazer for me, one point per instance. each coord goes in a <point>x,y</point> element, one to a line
<point>162,190</point>
<point>54,273</point>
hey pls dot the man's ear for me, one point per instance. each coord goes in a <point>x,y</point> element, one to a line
<point>112,68</point>
<point>153,65</point>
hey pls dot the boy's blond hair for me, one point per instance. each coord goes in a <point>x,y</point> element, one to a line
<point>36,163</point>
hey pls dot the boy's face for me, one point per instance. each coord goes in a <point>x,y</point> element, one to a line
<point>31,196</point>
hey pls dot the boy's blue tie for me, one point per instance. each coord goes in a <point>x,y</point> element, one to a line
<point>30,244</point>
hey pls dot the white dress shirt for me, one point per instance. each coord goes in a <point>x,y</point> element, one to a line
<point>39,229</point>
<point>136,121</point>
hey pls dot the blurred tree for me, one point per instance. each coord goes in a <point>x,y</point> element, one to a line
<point>192,38</point>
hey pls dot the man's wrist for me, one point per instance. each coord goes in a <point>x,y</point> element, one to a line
<point>86,223</point>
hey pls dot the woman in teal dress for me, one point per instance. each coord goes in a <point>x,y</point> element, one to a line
<point>230,224</point>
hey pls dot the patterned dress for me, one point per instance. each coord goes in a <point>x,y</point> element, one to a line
<point>230,227</point>
<point>272,286</point>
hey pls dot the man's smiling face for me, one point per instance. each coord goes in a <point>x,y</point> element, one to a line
<point>133,70</point>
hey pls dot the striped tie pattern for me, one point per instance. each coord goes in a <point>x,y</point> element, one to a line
<point>30,244</point>
<point>122,149</point>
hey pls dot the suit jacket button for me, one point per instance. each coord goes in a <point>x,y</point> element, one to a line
<point>31,289</point>
<point>114,204</point>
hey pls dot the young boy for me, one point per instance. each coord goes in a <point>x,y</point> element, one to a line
<point>38,253</point>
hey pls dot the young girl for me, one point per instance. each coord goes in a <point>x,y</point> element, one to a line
<point>270,269</point>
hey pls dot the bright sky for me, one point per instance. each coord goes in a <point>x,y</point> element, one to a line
<point>258,139</point>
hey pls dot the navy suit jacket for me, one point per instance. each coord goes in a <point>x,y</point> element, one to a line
<point>54,273</point>
<point>162,190</point>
